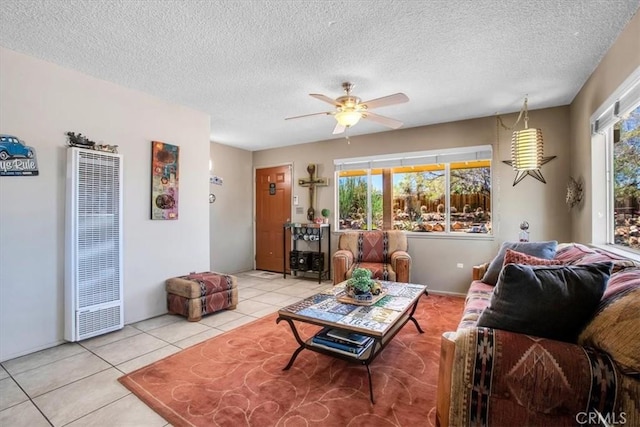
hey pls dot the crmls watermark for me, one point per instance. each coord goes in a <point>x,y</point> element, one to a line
<point>599,419</point>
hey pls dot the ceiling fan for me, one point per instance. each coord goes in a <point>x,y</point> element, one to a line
<point>349,109</point>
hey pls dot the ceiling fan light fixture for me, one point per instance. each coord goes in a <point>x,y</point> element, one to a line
<point>348,118</point>
<point>349,109</point>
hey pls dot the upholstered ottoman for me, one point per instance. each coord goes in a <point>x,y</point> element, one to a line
<point>197,294</point>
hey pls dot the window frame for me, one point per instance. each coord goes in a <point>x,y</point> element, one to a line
<point>442,156</point>
<point>623,100</point>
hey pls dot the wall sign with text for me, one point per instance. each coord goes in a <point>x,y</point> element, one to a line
<point>17,158</point>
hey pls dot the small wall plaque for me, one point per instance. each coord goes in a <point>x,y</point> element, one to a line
<point>16,158</point>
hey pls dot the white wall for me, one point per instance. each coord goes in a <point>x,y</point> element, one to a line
<point>40,102</point>
<point>619,62</point>
<point>435,259</point>
<point>231,216</point>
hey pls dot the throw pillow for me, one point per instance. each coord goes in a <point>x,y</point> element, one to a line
<point>614,328</point>
<point>546,301</point>
<point>515,257</point>
<point>545,250</point>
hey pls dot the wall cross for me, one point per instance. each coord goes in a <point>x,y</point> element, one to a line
<point>312,183</point>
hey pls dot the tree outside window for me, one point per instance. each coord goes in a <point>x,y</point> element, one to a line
<point>419,198</point>
<point>626,180</point>
<point>471,197</point>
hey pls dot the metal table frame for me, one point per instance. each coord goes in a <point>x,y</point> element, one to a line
<point>380,341</point>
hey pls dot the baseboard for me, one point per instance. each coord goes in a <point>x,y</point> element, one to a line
<point>15,355</point>
<point>446,293</point>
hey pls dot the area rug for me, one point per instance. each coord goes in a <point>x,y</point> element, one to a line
<point>236,379</point>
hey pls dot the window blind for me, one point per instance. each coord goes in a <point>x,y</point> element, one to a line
<point>483,152</point>
<point>619,103</point>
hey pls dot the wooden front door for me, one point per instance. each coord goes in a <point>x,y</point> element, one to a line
<point>273,209</point>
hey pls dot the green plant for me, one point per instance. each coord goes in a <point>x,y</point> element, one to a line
<point>325,213</point>
<point>361,280</point>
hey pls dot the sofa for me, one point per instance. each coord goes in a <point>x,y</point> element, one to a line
<point>502,376</point>
<point>384,253</point>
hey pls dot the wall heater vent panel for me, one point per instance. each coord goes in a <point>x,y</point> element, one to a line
<point>99,321</point>
<point>93,265</point>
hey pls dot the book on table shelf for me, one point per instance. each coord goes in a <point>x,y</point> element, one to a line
<point>341,346</point>
<point>355,351</point>
<point>350,337</point>
<point>343,337</point>
<point>356,346</point>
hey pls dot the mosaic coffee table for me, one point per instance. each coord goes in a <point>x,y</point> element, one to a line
<point>381,321</point>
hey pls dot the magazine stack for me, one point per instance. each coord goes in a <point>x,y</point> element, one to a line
<point>343,342</point>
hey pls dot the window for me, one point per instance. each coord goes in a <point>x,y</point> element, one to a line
<point>619,123</point>
<point>444,192</point>
<point>625,192</point>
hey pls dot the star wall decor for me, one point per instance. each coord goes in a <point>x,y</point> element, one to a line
<point>535,173</point>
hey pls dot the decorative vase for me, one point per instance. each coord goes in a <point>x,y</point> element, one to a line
<point>363,296</point>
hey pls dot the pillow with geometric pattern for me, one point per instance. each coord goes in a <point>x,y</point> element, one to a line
<point>545,250</point>
<point>515,257</point>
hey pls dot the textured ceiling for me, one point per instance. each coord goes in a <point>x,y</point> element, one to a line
<point>250,64</point>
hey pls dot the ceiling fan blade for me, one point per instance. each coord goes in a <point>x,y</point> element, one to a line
<point>338,129</point>
<point>389,122</point>
<point>326,113</point>
<point>396,98</point>
<point>324,98</point>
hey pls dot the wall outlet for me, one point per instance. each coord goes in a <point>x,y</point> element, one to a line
<point>460,265</point>
<point>295,200</point>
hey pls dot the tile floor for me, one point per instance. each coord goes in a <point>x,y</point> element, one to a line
<point>75,384</point>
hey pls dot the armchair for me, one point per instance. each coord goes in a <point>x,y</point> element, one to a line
<point>384,253</point>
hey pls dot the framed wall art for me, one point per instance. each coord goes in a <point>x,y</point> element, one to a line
<point>164,180</point>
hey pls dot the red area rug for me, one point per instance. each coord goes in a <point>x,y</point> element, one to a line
<point>236,379</point>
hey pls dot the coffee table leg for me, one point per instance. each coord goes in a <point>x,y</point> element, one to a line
<point>293,358</point>
<point>297,337</point>
<point>370,385</point>
<point>413,319</point>
<point>417,325</point>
